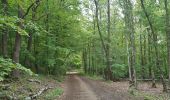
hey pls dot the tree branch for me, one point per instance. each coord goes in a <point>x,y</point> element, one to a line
<point>28,9</point>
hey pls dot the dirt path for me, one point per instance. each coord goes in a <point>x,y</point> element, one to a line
<point>81,88</point>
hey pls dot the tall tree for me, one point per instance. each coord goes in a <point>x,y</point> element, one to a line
<point>17,46</point>
<point>141,57</point>
<point>106,47</point>
<point>129,24</point>
<point>167,34</point>
<point>30,38</point>
<point>155,40</point>
<point>108,51</point>
<point>5,31</point>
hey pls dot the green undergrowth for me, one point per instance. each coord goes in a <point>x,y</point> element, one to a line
<point>7,66</point>
<point>22,88</point>
<point>55,93</point>
<point>150,96</point>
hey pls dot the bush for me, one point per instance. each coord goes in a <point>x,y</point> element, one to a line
<point>7,66</point>
<point>119,70</point>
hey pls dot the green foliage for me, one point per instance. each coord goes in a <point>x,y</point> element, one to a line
<point>119,70</point>
<point>54,94</point>
<point>7,66</point>
<point>12,23</point>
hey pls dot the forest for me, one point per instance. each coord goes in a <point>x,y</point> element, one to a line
<point>84,50</point>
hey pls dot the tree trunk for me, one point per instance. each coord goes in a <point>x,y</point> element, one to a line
<point>155,47</point>
<point>106,47</point>
<point>5,31</point>
<point>29,45</point>
<point>144,53</point>
<point>17,45</point>
<point>85,60</point>
<point>151,67</point>
<point>36,39</point>
<point>89,58</point>
<point>141,58</point>
<point>47,37</point>
<point>168,35</point>
<point>129,24</point>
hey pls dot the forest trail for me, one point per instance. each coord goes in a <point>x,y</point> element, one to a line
<point>80,88</point>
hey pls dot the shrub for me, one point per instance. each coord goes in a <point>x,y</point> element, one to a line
<point>7,66</point>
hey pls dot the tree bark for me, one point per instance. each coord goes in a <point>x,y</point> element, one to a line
<point>5,31</point>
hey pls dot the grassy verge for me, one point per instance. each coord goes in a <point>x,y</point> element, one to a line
<point>52,95</point>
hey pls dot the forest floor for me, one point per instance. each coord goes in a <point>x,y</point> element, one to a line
<point>27,87</point>
<point>78,87</point>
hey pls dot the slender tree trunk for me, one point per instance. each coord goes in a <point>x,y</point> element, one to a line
<point>144,53</point>
<point>131,40</point>
<point>168,35</point>
<point>108,48</point>
<point>29,44</point>
<point>36,39</point>
<point>47,36</point>
<point>141,57</point>
<point>85,60</point>
<point>98,25</point>
<point>155,47</point>
<point>151,67</point>
<point>93,46</point>
<point>89,58</point>
<point>5,31</point>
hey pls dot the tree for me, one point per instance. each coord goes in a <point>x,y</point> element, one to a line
<point>17,46</point>
<point>5,31</point>
<point>30,38</point>
<point>155,46</point>
<point>18,37</point>
<point>106,47</point>
<point>167,34</point>
<point>129,24</point>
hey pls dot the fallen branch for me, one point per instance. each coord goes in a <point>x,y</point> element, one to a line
<point>32,80</point>
<point>5,87</point>
<point>40,92</point>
